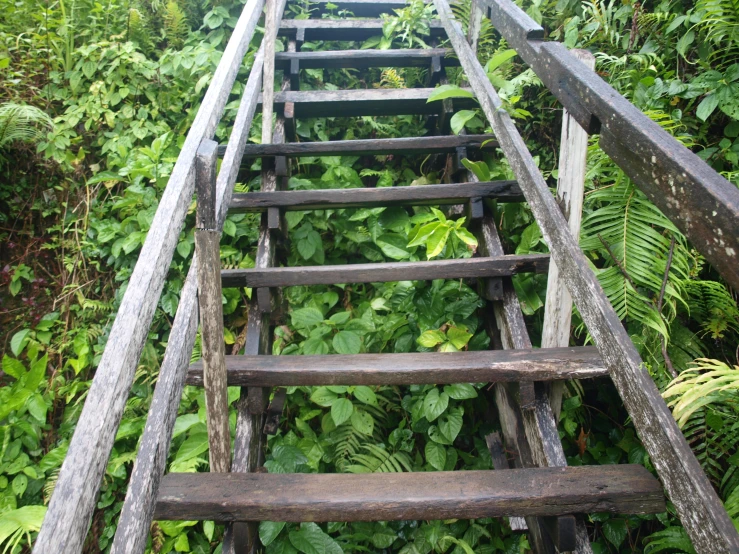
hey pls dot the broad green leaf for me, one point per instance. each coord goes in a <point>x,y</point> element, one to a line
<point>436,435</point>
<point>435,455</point>
<point>431,338</point>
<point>466,237</point>
<point>459,120</point>
<point>341,410</point>
<point>19,341</point>
<point>347,342</point>
<point>383,537</point>
<point>458,337</point>
<point>437,241</point>
<point>13,367</point>
<point>615,530</point>
<point>434,404</point>
<point>449,91</point>
<point>306,317</point>
<point>310,539</point>
<point>363,422</point>
<point>450,423</point>
<point>340,318</point>
<point>323,397</point>
<point>209,528</point>
<point>365,395</point>
<point>499,59</point>
<point>460,391</point>
<point>480,169</point>
<point>707,106</point>
<point>268,531</point>
<point>315,346</point>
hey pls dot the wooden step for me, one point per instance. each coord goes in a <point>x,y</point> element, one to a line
<point>505,191</point>
<point>470,268</point>
<point>359,8</point>
<point>343,29</point>
<point>363,59</point>
<point>415,368</point>
<point>370,147</point>
<point>355,103</point>
<point>622,489</point>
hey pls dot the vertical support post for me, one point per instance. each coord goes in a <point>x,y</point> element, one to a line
<point>207,247</point>
<point>268,80</point>
<point>570,190</point>
<point>475,24</point>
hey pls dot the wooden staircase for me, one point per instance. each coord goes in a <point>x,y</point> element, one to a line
<point>541,488</point>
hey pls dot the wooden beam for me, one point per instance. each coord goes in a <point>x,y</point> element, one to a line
<point>700,510</point>
<point>371,147</point>
<point>362,8</point>
<point>363,59</point>
<point>699,201</point>
<point>573,155</point>
<point>343,29</point>
<point>361,102</point>
<point>426,195</point>
<point>542,364</point>
<point>207,249</point>
<point>268,80</point>
<point>75,495</point>
<point>402,496</point>
<point>470,268</point>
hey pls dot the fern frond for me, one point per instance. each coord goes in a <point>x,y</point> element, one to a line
<point>176,26</point>
<point>712,304</point>
<point>22,123</point>
<point>379,460</point>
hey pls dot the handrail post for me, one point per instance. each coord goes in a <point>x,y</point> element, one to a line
<point>207,248</point>
<point>573,155</point>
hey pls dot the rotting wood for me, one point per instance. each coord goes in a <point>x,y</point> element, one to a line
<point>406,496</point>
<point>75,495</point>
<point>363,59</point>
<point>360,102</point>
<point>343,29</point>
<point>698,506</point>
<point>138,508</point>
<point>207,248</point>
<point>371,147</point>
<point>471,268</point>
<point>570,195</point>
<point>425,195</point>
<point>541,364</point>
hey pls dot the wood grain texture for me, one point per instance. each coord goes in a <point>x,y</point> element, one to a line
<point>426,195</point>
<point>698,506</point>
<point>413,368</point>
<point>699,201</point>
<point>371,147</point>
<point>500,462</point>
<point>573,154</point>
<point>343,29</point>
<point>363,59</point>
<point>360,102</point>
<point>138,508</point>
<point>470,268</point>
<point>407,496</point>
<point>75,495</point>
<point>268,77</point>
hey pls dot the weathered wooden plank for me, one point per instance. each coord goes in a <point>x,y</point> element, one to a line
<point>343,29</point>
<point>363,59</point>
<point>500,462</point>
<point>542,364</point>
<point>138,508</point>
<point>361,8</point>
<point>75,494</point>
<point>207,248</point>
<point>701,203</point>
<point>371,147</point>
<point>506,191</point>
<point>570,195</point>
<point>401,496</point>
<point>360,102</point>
<point>698,506</point>
<point>470,268</point>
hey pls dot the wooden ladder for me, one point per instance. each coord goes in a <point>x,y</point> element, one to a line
<point>541,488</point>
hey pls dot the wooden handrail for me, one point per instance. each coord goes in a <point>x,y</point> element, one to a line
<point>70,511</point>
<point>699,201</point>
<point>700,510</point>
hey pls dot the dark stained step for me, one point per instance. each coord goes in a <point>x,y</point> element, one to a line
<point>363,59</point>
<point>370,147</point>
<point>359,8</point>
<point>505,191</point>
<point>622,489</point>
<point>355,103</point>
<point>343,30</point>
<point>493,266</point>
<point>541,364</point>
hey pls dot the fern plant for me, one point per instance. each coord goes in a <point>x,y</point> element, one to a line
<point>22,123</point>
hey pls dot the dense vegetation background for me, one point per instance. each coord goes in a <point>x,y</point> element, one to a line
<point>95,100</point>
